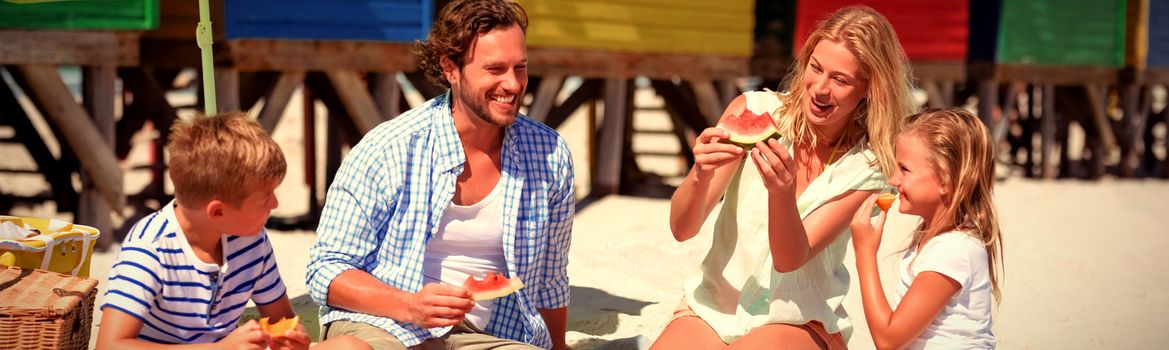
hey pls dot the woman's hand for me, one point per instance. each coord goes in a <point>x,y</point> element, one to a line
<point>775,166</point>
<point>866,237</point>
<point>710,154</point>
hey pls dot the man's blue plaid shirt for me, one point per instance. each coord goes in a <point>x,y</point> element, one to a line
<point>391,190</point>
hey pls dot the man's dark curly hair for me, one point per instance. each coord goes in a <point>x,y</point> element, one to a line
<point>458,24</point>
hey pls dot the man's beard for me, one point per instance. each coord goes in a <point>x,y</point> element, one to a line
<point>478,106</point>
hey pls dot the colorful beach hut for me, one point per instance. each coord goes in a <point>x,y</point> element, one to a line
<point>934,35</point>
<point>99,37</point>
<point>1146,66</point>
<point>690,50</point>
<point>1065,53</point>
<point>346,54</point>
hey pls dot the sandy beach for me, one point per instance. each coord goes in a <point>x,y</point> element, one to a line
<point>1082,258</point>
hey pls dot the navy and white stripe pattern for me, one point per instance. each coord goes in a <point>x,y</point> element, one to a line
<point>391,191</point>
<point>179,298</point>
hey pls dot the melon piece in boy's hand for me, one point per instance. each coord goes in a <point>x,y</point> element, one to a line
<point>885,200</point>
<point>491,287</point>
<point>750,120</point>
<point>279,328</point>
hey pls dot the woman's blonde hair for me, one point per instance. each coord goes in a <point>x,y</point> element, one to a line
<point>962,157</point>
<point>225,157</point>
<point>870,37</point>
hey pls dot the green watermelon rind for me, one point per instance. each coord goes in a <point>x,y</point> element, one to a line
<point>748,142</point>
<point>514,284</point>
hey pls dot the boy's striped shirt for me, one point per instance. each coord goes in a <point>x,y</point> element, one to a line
<point>179,298</point>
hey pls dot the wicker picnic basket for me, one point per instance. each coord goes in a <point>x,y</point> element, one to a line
<point>45,310</point>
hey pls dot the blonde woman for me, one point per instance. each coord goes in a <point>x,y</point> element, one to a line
<point>947,281</point>
<point>774,276</point>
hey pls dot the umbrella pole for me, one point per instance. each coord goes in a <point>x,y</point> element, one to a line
<point>203,38</point>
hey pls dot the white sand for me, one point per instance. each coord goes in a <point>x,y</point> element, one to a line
<point>1082,258</point>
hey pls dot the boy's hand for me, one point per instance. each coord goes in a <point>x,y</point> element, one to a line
<point>865,236</point>
<point>248,336</point>
<point>294,339</point>
<point>438,305</point>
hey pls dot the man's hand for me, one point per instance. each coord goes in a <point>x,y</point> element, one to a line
<point>438,305</point>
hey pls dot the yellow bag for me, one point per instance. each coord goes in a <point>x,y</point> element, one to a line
<point>60,247</point>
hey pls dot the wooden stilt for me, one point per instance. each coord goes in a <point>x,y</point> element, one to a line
<point>226,90</point>
<point>676,102</point>
<point>1106,138</point>
<point>355,99</point>
<point>60,182</point>
<point>277,99</point>
<point>988,99</point>
<point>1047,132</point>
<point>933,94</point>
<point>387,94</point>
<point>97,91</point>
<point>94,153</point>
<point>707,99</point>
<point>588,91</point>
<point>1134,127</point>
<point>612,141</point>
<point>546,95</point>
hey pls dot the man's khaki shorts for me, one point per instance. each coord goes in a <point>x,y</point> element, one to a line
<point>461,337</point>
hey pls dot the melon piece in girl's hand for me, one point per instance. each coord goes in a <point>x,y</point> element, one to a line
<point>278,329</point>
<point>749,119</point>
<point>885,200</point>
<point>491,287</point>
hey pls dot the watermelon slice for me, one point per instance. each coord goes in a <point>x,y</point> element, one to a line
<point>749,118</point>
<point>494,285</point>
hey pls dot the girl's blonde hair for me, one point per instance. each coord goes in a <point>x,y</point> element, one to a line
<point>870,37</point>
<point>962,157</point>
<point>225,157</point>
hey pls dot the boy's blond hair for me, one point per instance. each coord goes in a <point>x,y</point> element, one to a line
<point>221,157</point>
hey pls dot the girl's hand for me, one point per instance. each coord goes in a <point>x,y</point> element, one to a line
<point>776,166</point>
<point>295,339</point>
<point>710,154</point>
<point>865,236</point>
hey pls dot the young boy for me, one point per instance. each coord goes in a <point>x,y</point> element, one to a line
<point>186,272</point>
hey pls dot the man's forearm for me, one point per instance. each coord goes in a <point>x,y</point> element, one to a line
<point>557,322</point>
<point>358,291</point>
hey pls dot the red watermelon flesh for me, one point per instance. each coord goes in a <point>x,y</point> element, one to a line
<point>749,118</point>
<point>494,285</point>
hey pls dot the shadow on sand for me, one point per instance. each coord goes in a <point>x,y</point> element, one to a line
<point>595,312</point>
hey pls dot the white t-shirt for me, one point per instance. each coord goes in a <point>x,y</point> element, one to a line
<point>965,321</point>
<point>469,242</point>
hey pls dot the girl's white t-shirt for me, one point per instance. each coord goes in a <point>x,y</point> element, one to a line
<point>965,321</point>
<point>469,242</point>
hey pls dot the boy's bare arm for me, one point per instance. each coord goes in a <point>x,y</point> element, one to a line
<point>276,310</point>
<point>119,330</point>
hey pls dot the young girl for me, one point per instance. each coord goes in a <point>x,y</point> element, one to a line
<point>774,276</point>
<point>948,283</point>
